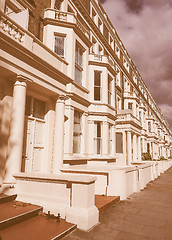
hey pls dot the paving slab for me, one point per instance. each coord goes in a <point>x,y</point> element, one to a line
<point>144,215</point>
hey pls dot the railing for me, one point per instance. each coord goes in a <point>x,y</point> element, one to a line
<point>102,58</point>
<point>10,28</point>
<point>130,94</point>
<point>127,117</point>
<point>65,17</point>
<point>14,31</point>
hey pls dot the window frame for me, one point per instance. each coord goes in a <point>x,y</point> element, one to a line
<point>97,137</point>
<point>110,79</point>
<point>79,56</point>
<point>98,86</point>
<point>64,44</point>
<point>77,133</point>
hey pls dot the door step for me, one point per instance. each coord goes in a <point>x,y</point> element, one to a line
<point>20,221</point>
<point>38,228</point>
<point>5,198</point>
<point>14,212</point>
<point>103,202</point>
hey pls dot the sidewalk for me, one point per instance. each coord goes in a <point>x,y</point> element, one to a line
<point>145,215</point>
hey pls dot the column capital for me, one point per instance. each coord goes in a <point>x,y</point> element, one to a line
<point>61,98</point>
<point>69,107</point>
<point>22,78</point>
<point>105,123</point>
<point>85,114</point>
<point>90,122</point>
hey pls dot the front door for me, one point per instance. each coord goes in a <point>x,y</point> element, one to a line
<point>34,136</point>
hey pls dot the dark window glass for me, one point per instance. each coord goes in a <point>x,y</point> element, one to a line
<point>119,143</point>
<point>97,85</point>
<point>38,108</point>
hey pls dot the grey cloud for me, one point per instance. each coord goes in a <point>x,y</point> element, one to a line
<point>148,39</point>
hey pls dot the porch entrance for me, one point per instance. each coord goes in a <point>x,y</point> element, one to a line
<point>34,136</point>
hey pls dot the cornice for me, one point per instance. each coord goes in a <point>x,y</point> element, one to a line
<point>102,64</point>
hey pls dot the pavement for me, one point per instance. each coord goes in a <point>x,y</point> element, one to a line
<point>144,215</point>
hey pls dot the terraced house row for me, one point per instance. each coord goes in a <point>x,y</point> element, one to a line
<point>75,114</point>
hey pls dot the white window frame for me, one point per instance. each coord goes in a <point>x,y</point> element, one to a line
<point>64,44</point>
<point>96,86</point>
<point>79,57</point>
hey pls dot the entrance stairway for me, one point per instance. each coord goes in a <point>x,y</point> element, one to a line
<point>21,221</point>
<point>103,202</point>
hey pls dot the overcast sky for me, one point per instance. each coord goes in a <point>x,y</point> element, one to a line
<point>145,28</point>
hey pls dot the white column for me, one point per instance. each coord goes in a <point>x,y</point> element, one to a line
<point>134,148</point>
<point>139,149</point>
<point>143,144</point>
<point>68,138</point>
<point>113,141</point>
<point>91,138</point>
<point>105,138</point>
<point>85,136</point>
<point>2,5</point>
<point>15,142</point>
<point>129,147</point>
<point>124,147</point>
<point>59,135</point>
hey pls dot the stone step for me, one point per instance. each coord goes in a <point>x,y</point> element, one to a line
<point>6,198</point>
<point>14,212</point>
<point>37,228</point>
<point>103,202</point>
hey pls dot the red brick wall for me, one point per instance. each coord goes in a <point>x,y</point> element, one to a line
<point>36,18</point>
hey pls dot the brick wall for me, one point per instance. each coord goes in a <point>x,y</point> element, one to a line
<point>36,18</point>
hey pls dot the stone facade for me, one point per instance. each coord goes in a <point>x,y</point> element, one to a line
<point>72,100</point>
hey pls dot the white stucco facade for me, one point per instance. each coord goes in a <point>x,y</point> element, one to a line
<point>74,108</point>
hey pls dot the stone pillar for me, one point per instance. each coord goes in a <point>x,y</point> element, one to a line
<point>84,147</point>
<point>113,141</point>
<point>2,5</point>
<point>129,147</point>
<point>91,143</point>
<point>139,149</point>
<point>124,147</point>
<point>134,148</point>
<point>143,144</point>
<point>68,138</point>
<point>59,135</point>
<point>105,138</point>
<point>15,142</point>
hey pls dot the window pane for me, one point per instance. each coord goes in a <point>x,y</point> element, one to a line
<point>28,106</point>
<point>119,143</point>
<point>59,45</point>
<point>97,144</point>
<point>97,78</point>
<point>130,106</point>
<point>77,132</point>
<point>38,109</point>
<point>98,129</point>
<point>78,76</point>
<point>97,85</point>
<point>97,93</point>
<point>78,55</point>
<point>57,4</point>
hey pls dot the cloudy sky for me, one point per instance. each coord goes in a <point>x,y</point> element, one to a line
<point>145,28</point>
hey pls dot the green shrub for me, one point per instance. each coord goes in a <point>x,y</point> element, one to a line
<point>162,158</point>
<point>146,156</point>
